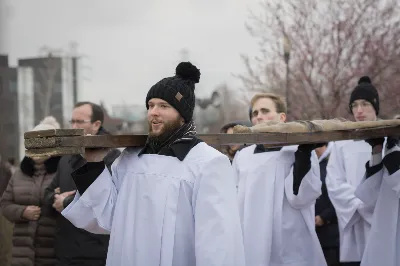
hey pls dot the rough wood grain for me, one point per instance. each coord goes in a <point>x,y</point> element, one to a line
<point>270,139</point>
<point>53,133</point>
<point>56,151</point>
<point>314,126</point>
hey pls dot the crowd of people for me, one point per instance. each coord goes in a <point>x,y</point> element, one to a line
<point>177,201</point>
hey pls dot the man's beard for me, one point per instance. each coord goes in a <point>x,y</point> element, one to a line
<point>168,129</point>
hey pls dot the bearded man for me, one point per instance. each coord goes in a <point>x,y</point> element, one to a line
<point>171,202</point>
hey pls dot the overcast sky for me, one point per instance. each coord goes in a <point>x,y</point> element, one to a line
<point>130,44</point>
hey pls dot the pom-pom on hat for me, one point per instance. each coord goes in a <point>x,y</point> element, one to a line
<point>365,91</point>
<point>47,123</point>
<point>178,90</point>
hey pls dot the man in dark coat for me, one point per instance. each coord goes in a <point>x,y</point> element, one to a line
<point>325,215</point>
<point>75,246</point>
<point>6,227</point>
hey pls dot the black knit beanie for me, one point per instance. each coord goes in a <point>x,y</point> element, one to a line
<point>178,90</point>
<point>365,91</point>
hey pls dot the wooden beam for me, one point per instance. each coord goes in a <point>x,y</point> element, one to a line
<point>269,139</point>
<point>56,151</point>
<point>53,133</point>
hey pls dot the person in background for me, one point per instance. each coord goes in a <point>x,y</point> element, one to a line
<point>75,246</point>
<point>230,151</point>
<point>345,171</point>
<point>6,227</point>
<point>22,204</point>
<point>10,164</point>
<point>277,189</point>
<point>325,215</point>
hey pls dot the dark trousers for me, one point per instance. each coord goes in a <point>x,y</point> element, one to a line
<point>332,256</point>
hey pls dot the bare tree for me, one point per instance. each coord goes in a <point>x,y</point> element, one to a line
<point>333,43</point>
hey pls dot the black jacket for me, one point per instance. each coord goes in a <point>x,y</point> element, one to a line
<point>328,234</point>
<point>75,246</point>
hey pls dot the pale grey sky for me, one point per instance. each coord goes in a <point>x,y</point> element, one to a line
<point>132,44</point>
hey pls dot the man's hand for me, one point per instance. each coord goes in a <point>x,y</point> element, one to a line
<point>319,221</point>
<point>59,200</point>
<point>310,147</point>
<point>31,213</point>
<point>376,144</point>
<point>96,154</point>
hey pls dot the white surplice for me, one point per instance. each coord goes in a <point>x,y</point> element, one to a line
<point>381,192</point>
<point>278,226</point>
<point>165,212</point>
<point>345,171</point>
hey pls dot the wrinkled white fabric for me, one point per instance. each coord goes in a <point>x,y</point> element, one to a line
<point>278,226</point>
<point>165,212</point>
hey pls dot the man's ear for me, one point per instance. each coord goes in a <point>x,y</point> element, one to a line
<point>282,117</point>
<point>181,120</point>
<point>97,125</point>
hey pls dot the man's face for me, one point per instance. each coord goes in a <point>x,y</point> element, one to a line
<point>232,147</point>
<point>264,109</point>
<point>363,111</point>
<point>81,118</point>
<point>162,118</point>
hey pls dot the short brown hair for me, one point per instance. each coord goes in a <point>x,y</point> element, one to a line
<point>97,111</point>
<point>279,101</point>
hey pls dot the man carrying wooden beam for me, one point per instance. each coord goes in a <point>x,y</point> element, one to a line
<point>277,189</point>
<point>171,202</point>
<point>380,191</point>
<point>345,171</point>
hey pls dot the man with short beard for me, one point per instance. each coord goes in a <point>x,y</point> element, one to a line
<point>171,202</point>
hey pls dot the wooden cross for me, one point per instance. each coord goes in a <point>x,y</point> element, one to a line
<point>73,141</point>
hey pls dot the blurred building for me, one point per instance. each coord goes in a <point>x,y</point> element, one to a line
<point>111,124</point>
<point>16,107</point>
<point>36,88</point>
<point>134,117</point>
<point>223,106</point>
<point>55,86</point>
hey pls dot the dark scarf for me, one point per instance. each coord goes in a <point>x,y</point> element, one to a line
<point>185,132</point>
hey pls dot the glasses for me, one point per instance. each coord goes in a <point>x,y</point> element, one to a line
<point>362,105</point>
<point>79,122</point>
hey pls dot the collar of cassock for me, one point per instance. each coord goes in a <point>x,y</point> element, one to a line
<point>178,149</point>
<point>260,148</point>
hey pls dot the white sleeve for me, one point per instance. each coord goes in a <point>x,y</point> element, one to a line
<point>392,160</point>
<point>341,193</point>
<point>219,240</point>
<point>310,186</point>
<point>93,211</point>
<point>368,190</point>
